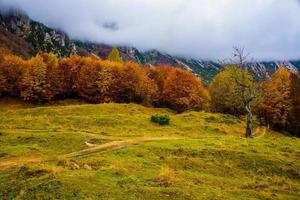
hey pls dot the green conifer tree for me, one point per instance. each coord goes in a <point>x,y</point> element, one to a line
<point>114,56</point>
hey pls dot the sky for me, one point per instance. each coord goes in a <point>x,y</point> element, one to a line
<point>204,29</point>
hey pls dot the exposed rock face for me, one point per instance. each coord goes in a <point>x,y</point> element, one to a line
<point>38,35</point>
<point>17,45</point>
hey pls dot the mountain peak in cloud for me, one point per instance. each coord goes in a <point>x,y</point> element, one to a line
<point>207,29</point>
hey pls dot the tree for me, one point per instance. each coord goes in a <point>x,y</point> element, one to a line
<point>70,70</point>
<point>107,79</point>
<point>148,89</point>
<point>53,74</point>
<point>183,91</point>
<point>33,80</point>
<point>223,91</point>
<point>277,101</point>
<point>159,75</point>
<point>11,71</point>
<point>131,84</point>
<point>294,116</point>
<point>89,81</point>
<point>114,56</point>
<point>40,83</point>
<point>245,88</point>
<point>4,52</point>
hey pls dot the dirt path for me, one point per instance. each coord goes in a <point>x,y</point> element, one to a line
<point>117,145</point>
<point>8,163</point>
<point>18,161</point>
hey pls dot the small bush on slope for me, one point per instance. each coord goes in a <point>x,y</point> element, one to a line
<point>161,119</point>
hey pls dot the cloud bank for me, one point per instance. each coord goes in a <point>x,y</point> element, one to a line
<point>207,29</point>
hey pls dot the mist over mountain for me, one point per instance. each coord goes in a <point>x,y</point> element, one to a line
<point>201,29</point>
<point>27,37</point>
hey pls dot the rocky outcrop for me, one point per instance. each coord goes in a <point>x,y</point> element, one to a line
<point>39,36</point>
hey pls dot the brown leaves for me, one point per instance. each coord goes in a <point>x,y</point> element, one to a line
<point>179,89</point>
<point>44,79</point>
<point>277,101</point>
<point>11,72</point>
<point>39,81</point>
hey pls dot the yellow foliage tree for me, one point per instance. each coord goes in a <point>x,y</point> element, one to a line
<point>41,81</point>
<point>225,93</point>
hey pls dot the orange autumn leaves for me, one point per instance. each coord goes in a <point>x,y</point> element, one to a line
<point>277,97</point>
<point>281,101</point>
<point>277,102</point>
<point>11,72</point>
<point>183,91</point>
<point>45,78</point>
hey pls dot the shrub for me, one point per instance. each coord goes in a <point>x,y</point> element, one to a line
<point>211,119</point>
<point>161,119</point>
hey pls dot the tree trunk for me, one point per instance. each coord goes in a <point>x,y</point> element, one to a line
<point>249,129</point>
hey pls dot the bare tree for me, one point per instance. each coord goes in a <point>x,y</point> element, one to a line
<point>246,89</point>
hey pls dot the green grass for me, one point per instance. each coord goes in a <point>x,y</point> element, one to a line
<point>204,157</point>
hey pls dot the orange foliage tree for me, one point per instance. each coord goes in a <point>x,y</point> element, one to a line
<point>277,101</point>
<point>183,91</point>
<point>133,85</point>
<point>3,52</point>
<point>159,75</point>
<point>11,71</point>
<point>44,78</point>
<point>106,81</point>
<point>89,80</point>
<point>70,71</point>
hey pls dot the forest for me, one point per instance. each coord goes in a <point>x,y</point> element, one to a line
<point>46,78</point>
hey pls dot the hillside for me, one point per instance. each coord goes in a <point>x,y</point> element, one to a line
<point>34,36</point>
<point>16,44</point>
<point>73,150</point>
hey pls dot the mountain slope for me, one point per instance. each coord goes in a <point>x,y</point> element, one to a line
<point>27,37</point>
<point>35,34</point>
<point>203,68</point>
<point>11,41</point>
<point>44,155</point>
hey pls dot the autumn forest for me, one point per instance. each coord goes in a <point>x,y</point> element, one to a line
<point>149,100</point>
<point>45,78</point>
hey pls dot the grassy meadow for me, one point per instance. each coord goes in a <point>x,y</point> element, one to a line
<point>73,150</point>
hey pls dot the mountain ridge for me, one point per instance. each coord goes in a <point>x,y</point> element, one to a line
<point>27,37</point>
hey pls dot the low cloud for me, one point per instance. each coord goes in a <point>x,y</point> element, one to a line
<point>207,29</point>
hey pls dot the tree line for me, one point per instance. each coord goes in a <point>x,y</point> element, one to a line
<point>45,78</point>
<point>276,103</point>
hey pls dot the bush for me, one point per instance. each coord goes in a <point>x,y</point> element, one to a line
<point>161,119</point>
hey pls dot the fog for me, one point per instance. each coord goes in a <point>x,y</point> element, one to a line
<point>206,29</point>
